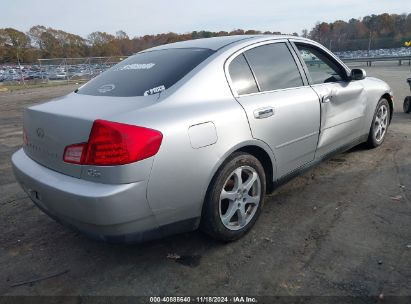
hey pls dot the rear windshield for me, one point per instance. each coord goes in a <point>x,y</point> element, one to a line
<point>146,73</point>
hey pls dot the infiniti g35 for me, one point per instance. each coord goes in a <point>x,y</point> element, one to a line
<point>194,134</point>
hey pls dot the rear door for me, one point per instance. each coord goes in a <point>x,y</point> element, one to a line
<point>343,102</point>
<point>282,109</point>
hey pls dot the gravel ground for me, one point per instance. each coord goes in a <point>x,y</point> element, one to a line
<point>343,228</point>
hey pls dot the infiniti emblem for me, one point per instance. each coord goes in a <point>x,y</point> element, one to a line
<point>106,88</point>
<point>40,132</point>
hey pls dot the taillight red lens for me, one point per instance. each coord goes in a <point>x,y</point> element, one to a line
<point>112,143</point>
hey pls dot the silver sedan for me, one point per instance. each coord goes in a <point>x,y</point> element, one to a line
<point>194,134</point>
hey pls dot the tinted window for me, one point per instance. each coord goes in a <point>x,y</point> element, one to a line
<point>274,67</point>
<point>146,73</point>
<point>321,68</point>
<point>241,76</point>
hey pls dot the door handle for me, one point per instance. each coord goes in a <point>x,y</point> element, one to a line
<point>264,112</point>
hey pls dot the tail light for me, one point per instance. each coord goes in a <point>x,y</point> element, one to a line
<point>75,153</point>
<point>112,143</point>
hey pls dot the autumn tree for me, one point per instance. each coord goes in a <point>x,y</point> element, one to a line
<point>35,33</point>
<point>3,48</point>
<point>15,44</point>
<point>376,31</point>
<point>103,44</point>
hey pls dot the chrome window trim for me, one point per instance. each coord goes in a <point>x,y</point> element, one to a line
<point>273,91</point>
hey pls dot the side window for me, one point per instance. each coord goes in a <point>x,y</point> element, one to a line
<point>274,67</point>
<point>241,76</point>
<point>322,69</point>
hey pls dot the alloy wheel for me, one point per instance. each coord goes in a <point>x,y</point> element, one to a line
<point>381,123</point>
<point>240,197</point>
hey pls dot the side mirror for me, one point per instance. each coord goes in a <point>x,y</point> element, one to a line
<point>358,74</point>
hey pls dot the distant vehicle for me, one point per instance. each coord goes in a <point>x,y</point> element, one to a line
<point>58,76</point>
<point>12,77</point>
<point>82,73</point>
<point>193,134</point>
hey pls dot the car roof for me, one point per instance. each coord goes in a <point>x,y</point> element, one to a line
<point>216,43</point>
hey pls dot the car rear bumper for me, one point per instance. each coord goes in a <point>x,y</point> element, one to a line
<point>109,212</point>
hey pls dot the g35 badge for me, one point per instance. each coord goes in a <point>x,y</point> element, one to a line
<point>93,173</point>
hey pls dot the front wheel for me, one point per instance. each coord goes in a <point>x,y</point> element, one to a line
<point>407,104</point>
<point>379,124</point>
<point>235,198</point>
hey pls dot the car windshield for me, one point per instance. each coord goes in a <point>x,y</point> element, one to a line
<point>146,73</point>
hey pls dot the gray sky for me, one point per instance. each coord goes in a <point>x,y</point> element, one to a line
<point>142,17</point>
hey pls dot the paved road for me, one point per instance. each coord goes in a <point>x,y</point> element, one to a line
<point>343,228</point>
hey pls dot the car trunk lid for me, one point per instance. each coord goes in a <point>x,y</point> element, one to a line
<point>52,126</point>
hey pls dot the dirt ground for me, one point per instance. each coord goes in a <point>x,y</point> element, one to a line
<point>343,228</point>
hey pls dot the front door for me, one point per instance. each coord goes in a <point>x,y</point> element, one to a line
<point>343,102</point>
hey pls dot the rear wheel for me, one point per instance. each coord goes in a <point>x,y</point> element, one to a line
<point>407,104</point>
<point>379,124</point>
<point>235,198</point>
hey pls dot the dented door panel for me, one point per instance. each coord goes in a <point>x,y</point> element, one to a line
<point>343,109</point>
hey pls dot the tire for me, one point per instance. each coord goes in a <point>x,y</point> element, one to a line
<point>230,210</point>
<point>380,123</point>
<point>407,104</point>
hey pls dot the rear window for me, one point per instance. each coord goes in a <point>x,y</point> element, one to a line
<point>146,73</point>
